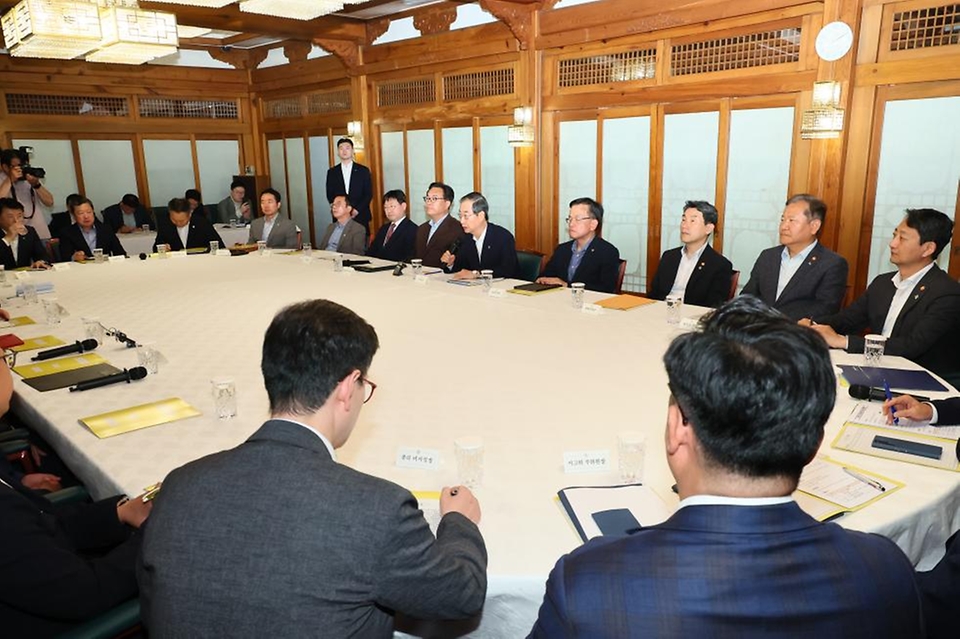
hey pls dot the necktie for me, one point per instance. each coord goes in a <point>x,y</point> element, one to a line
<point>389,233</point>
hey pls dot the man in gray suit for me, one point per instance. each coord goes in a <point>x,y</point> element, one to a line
<point>800,278</point>
<point>344,234</point>
<point>276,538</point>
<point>276,230</point>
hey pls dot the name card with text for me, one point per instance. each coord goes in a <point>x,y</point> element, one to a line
<point>425,458</point>
<point>586,461</point>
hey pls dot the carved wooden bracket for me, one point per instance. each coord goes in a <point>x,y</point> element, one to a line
<point>376,28</point>
<point>435,20</point>
<point>296,50</point>
<point>517,17</point>
<point>347,51</point>
<point>239,58</point>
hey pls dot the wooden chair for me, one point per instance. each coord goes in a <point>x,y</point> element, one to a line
<point>620,275</point>
<point>733,285</point>
<point>530,264</point>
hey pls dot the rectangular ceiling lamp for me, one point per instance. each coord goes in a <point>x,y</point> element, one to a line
<point>295,9</point>
<point>211,4</point>
<point>134,36</point>
<point>58,29</point>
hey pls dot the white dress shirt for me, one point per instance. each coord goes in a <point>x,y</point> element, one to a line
<point>14,245</point>
<point>347,169</point>
<point>716,500</point>
<point>904,288</point>
<point>183,232</point>
<point>479,242</point>
<point>685,269</point>
<point>267,227</point>
<point>790,265</point>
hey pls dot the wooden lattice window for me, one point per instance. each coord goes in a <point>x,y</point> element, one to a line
<point>780,46</point>
<point>404,92</point>
<point>625,66</point>
<point>179,108</point>
<point>283,108</point>
<point>479,84</point>
<point>34,104</point>
<point>928,27</point>
<point>329,101</point>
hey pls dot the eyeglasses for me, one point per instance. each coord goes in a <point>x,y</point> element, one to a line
<point>465,216</point>
<point>10,357</point>
<point>432,198</point>
<point>368,389</point>
<point>571,220</point>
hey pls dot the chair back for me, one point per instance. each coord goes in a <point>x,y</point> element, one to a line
<point>620,275</point>
<point>53,249</point>
<point>733,285</point>
<point>530,264</point>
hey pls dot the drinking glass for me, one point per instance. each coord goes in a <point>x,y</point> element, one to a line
<point>224,398</point>
<point>576,294</point>
<point>674,304</point>
<point>631,449</point>
<point>469,453</point>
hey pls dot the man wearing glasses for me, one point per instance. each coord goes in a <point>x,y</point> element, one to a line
<point>440,231</point>
<point>488,247</point>
<point>585,258</point>
<point>276,538</point>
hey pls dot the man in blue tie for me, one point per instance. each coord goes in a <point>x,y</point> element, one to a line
<point>751,393</point>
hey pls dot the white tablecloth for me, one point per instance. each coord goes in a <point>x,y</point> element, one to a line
<point>530,375</point>
<point>136,243</point>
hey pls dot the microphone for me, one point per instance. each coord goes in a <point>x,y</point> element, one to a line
<point>859,391</point>
<point>132,375</point>
<point>455,246</point>
<point>76,347</point>
<point>143,256</point>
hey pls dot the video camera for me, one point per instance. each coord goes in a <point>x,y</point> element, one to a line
<point>24,153</point>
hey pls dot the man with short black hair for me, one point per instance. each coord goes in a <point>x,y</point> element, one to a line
<point>353,180</point>
<point>78,241</point>
<point>235,208</point>
<point>343,235</point>
<point>127,216</point>
<point>21,246</point>
<point>186,231</point>
<point>917,307</point>
<point>274,229</point>
<point>440,231</point>
<point>694,271</point>
<point>320,549</point>
<point>586,258</point>
<point>396,240</point>
<point>751,393</point>
<point>801,277</point>
<point>485,247</point>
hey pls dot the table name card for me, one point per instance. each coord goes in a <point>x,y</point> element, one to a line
<point>116,258</point>
<point>61,266</point>
<point>586,461</point>
<point>496,292</point>
<point>306,259</point>
<point>177,254</point>
<point>223,253</point>
<point>266,253</point>
<point>420,279</point>
<point>425,458</point>
<point>592,309</point>
<point>22,275</point>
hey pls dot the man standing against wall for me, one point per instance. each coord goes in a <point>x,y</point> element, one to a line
<point>353,180</point>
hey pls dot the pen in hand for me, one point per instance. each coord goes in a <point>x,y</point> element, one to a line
<point>889,395</point>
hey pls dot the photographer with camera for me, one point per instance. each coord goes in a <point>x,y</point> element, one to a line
<point>20,181</point>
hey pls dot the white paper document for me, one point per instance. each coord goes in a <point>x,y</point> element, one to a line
<point>871,414</point>
<point>847,487</point>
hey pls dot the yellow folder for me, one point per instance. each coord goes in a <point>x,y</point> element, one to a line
<point>137,417</point>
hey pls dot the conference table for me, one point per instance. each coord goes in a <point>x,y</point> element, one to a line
<point>531,375</point>
<point>139,242</point>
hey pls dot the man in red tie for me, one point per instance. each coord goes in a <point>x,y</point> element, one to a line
<point>395,240</point>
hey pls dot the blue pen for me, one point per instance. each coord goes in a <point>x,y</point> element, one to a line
<point>893,411</point>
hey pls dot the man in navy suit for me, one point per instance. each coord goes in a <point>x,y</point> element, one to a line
<point>186,231</point>
<point>353,180</point>
<point>395,241</point>
<point>127,216</point>
<point>694,271</point>
<point>78,240</point>
<point>485,247</point>
<point>917,307</point>
<point>21,246</point>
<point>586,258</point>
<point>751,393</point>
<point>801,278</point>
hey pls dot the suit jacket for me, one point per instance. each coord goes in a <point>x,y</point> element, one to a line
<point>940,591</point>
<point>927,330</point>
<point>113,217</point>
<point>499,253</point>
<point>319,549</point>
<point>361,191</point>
<point>353,240</point>
<point>227,212</point>
<point>51,581</point>
<point>431,252</point>
<point>733,571</point>
<point>283,234</point>
<point>71,241</point>
<point>402,243</point>
<point>200,234</point>
<point>709,284</point>
<point>598,269</point>
<point>815,290</point>
<point>948,414</point>
<point>30,249</point>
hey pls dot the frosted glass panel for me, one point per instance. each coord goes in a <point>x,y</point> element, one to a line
<point>319,164</point>
<point>169,170</point>
<point>219,161</point>
<point>296,205</point>
<point>391,148</point>
<point>422,171</point>
<point>919,168</point>
<point>56,156</point>
<point>689,168</point>
<point>626,165</point>
<point>458,159</point>
<point>578,167</point>
<point>107,171</point>
<point>278,178</point>
<point>757,183</point>
<point>496,175</point>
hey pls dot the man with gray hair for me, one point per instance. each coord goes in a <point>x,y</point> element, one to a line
<point>485,247</point>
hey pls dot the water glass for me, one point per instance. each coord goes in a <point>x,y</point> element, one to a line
<point>52,311</point>
<point>93,329</point>
<point>631,452</point>
<point>469,453</point>
<point>145,228</point>
<point>261,247</point>
<point>487,276</point>
<point>576,294</point>
<point>307,250</point>
<point>224,398</point>
<point>98,255</point>
<point>337,262</point>
<point>674,304</point>
<point>873,346</point>
<point>214,247</point>
<point>3,274</point>
<point>417,266</point>
<point>148,357</point>
<point>162,251</point>
<point>29,292</point>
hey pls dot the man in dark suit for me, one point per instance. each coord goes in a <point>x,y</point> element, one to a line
<point>186,231</point>
<point>751,393</point>
<point>395,241</point>
<point>585,258</point>
<point>353,180</point>
<point>438,234</point>
<point>21,246</point>
<point>127,216</point>
<point>694,271</point>
<point>486,246</point>
<point>801,278</point>
<point>78,240</point>
<point>939,412</point>
<point>940,590</point>
<point>917,307</point>
<point>319,549</point>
